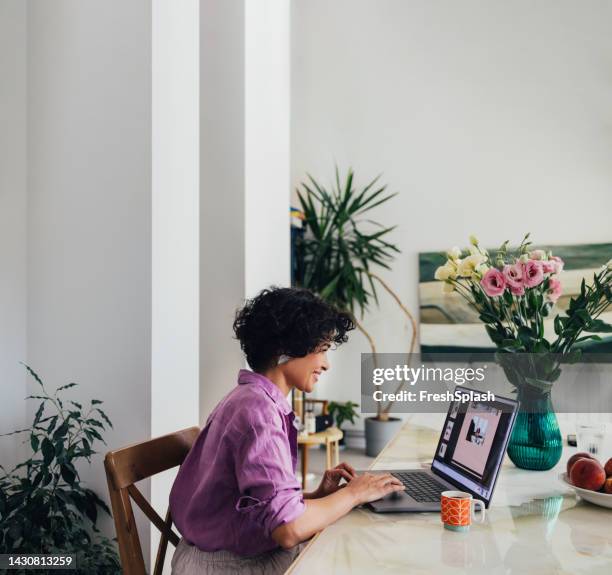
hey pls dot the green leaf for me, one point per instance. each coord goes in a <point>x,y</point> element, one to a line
<point>61,430</point>
<point>66,386</point>
<point>526,335</point>
<point>33,374</point>
<point>593,337</point>
<point>48,451</point>
<point>104,416</point>
<point>52,423</point>
<point>39,413</point>
<point>68,474</point>
<point>34,442</point>
<point>599,326</point>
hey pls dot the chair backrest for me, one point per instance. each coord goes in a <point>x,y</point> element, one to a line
<point>126,466</point>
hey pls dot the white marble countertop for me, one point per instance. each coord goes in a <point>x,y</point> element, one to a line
<point>535,524</point>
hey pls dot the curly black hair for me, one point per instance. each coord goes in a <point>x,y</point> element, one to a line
<point>287,321</point>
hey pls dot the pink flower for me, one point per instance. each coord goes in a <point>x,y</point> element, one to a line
<point>493,283</point>
<point>554,289</point>
<point>533,274</point>
<point>549,267</point>
<point>514,276</point>
<point>517,290</point>
<point>559,263</point>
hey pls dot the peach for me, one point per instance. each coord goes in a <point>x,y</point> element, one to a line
<point>608,467</point>
<point>588,474</point>
<point>608,484</point>
<point>575,458</point>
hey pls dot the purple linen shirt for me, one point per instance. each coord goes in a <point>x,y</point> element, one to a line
<point>238,483</point>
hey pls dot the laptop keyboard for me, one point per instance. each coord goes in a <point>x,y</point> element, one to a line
<point>421,486</point>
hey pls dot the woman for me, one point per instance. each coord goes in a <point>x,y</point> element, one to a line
<point>236,499</point>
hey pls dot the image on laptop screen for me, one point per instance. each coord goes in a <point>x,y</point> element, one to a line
<point>473,441</point>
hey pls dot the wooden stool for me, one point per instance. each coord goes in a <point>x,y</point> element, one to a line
<point>330,438</point>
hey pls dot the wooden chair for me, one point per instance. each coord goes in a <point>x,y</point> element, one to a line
<point>126,466</point>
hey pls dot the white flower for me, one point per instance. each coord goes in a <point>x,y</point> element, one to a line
<point>524,258</point>
<point>467,266</point>
<point>481,270</point>
<point>448,288</point>
<point>454,253</point>
<point>609,265</point>
<point>537,255</point>
<point>474,240</point>
<point>445,272</point>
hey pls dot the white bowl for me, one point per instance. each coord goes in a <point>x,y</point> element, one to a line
<point>595,497</point>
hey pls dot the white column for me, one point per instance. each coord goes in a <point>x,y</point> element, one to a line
<point>175,230</point>
<point>267,144</point>
<point>244,173</point>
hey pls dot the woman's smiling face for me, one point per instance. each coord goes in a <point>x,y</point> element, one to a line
<point>303,372</point>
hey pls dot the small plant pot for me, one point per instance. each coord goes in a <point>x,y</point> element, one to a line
<point>379,433</point>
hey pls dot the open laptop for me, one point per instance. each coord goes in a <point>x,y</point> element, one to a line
<point>468,456</point>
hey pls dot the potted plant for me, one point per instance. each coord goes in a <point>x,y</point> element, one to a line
<point>44,507</point>
<point>342,412</point>
<point>513,291</point>
<point>337,258</point>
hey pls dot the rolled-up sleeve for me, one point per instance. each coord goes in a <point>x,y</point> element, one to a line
<point>270,493</point>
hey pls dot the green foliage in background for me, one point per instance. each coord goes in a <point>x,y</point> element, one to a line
<point>44,507</point>
<point>340,246</point>
<point>342,412</point>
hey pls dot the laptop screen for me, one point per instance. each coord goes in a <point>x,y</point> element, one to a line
<point>473,442</point>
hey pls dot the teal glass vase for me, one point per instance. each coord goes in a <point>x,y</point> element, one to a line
<point>536,441</point>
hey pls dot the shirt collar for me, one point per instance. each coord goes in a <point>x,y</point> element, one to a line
<point>248,376</point>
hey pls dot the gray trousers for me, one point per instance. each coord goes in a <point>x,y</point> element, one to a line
<point>189,560</point>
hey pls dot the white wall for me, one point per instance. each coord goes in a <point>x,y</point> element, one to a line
<point>489,117</point>
<point>13,244</point>
<point>175,233</point>
<point>89,226</point>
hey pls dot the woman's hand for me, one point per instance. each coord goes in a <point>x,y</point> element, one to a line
<point>332,478</point>
<point>370,487</point>
<point>321,512</point>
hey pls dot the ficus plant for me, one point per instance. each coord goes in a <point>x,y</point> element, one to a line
<point>44,506</point>
<point>343,248</point>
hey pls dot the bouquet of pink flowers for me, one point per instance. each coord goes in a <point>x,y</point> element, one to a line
<point>514,290</point>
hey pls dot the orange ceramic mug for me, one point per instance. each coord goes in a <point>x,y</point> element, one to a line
<point>458,508</point>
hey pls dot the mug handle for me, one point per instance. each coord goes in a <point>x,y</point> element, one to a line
<point>478,503</point>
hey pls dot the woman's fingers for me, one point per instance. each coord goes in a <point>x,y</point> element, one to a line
<point>349,468</point>
<point>338,474</point>
<point>387,477</point>
<point>390,482</point>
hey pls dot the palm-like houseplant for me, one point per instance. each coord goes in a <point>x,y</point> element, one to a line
<point>338,257</point>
